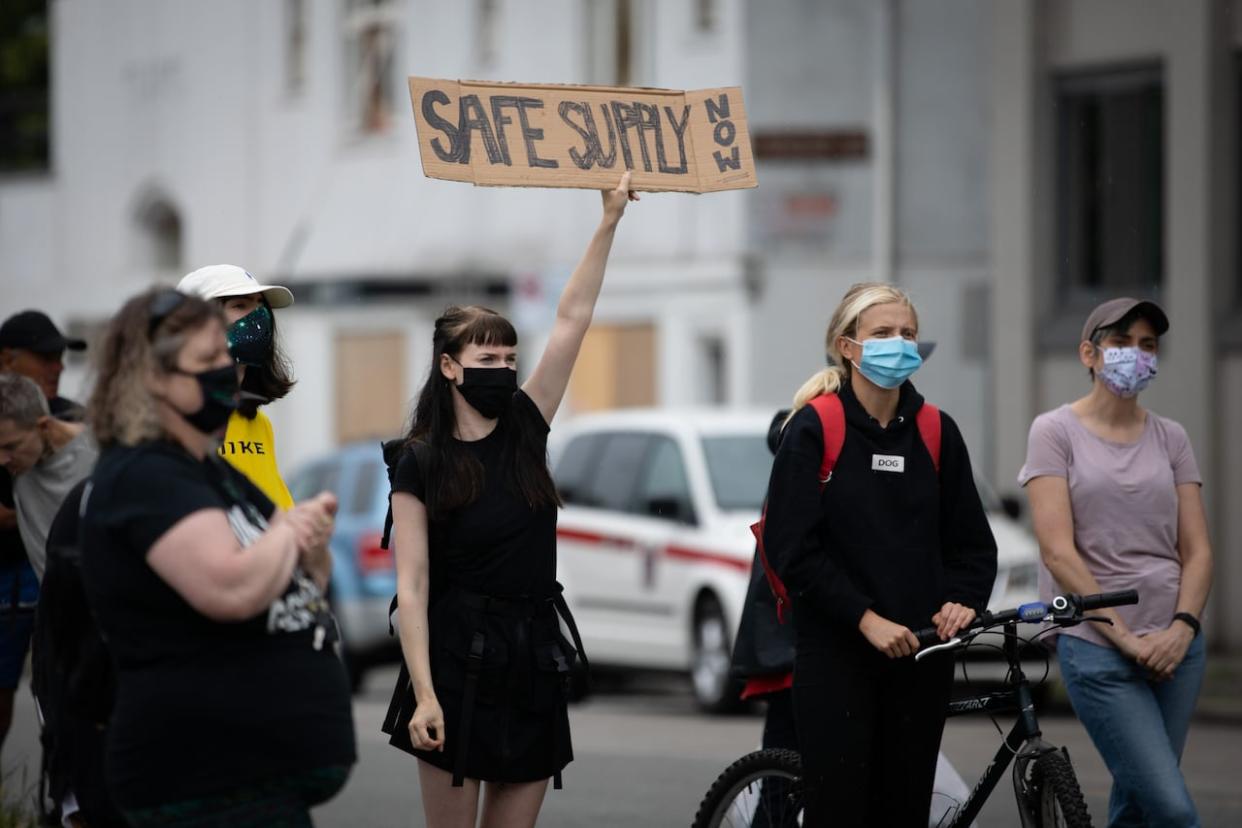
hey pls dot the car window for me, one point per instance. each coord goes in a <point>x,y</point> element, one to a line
<point>316,479</point>
<point>573,471</point>
<point>367,482</point>
<point>615,475</point>
<point>739,466</point>
<point>664,490</point>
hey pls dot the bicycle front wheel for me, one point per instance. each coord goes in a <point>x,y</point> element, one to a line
<point>1060,801</point>
<point>761,790</point>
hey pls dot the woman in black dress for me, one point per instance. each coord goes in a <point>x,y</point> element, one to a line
<point>474,521</point>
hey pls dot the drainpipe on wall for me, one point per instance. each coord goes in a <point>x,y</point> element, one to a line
<point>883,141</point>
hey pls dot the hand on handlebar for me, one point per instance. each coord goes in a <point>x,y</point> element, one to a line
<point>890,638</point>
<point>951,619</point>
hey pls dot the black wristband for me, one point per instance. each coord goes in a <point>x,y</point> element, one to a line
<point>1189,620</point>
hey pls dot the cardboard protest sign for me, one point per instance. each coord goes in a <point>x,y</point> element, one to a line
<point>547,135</point>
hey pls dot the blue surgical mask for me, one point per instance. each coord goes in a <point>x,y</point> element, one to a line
<point>888,362</point>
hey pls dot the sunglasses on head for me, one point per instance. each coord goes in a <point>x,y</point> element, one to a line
<point>161,307</point>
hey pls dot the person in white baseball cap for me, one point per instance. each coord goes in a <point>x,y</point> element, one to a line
<point>266,375</point>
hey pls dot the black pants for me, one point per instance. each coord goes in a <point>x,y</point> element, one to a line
<point>869,731</point>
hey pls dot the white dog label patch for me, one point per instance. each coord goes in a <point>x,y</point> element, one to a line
<point>888,463</point>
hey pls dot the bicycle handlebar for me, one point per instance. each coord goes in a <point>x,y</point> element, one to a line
<point>1063,610</point>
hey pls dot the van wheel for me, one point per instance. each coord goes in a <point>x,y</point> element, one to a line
<point>714,690</point>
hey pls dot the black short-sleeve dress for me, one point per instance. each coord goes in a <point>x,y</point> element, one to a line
<point>203,707</point>
<point>494,589</point>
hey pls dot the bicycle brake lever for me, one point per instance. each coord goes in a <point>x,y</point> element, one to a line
<point>948,645</point>
<point>1098,619</point>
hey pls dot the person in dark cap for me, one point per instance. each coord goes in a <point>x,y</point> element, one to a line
<point>1116,504</point>
<point>32,345</point>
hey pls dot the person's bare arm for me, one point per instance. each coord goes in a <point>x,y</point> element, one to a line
<point>200,558</point>
<point>547,383</point>
<point>1053,521</point>
<point>409,527</point>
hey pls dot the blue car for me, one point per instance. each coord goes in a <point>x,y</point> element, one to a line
<point>364,577</point>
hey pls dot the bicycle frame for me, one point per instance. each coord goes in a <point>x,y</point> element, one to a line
<point>1024,741</point>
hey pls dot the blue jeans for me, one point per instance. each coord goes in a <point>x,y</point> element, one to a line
<point>1138,726</point>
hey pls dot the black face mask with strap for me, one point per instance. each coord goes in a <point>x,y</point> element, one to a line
<point>489,391</point>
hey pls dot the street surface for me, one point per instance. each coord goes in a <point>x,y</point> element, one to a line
<point>645,758</point>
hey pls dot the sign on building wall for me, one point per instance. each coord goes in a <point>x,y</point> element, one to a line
<point>505,134</point>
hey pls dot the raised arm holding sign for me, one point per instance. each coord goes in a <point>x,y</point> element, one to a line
<point>546,135</point>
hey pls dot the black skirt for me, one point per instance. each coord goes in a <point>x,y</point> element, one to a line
<point>511,718</point>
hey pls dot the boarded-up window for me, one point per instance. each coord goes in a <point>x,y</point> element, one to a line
<point>616,368</point>
<point>370,385</point>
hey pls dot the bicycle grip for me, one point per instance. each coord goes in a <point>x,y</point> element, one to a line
<point>927,637</point>
<point>1110,599</point>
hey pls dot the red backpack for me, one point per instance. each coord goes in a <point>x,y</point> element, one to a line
<point>832,419</point>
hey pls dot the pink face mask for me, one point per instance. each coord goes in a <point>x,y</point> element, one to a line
<point>1127,371</point>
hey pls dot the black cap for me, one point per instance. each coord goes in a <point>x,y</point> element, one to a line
<point>31,330</point>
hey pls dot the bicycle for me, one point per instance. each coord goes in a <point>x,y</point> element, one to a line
<point>764,789</point>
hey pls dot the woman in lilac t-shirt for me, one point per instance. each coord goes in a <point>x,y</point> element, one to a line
<point>1116,503</point>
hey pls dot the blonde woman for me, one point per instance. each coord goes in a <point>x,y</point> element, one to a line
<point>231,706</point>
<point>889,544</point>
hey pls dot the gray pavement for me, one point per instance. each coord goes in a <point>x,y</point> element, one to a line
<point>645,758</point>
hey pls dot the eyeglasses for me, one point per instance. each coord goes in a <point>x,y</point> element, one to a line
<point>162,306</point>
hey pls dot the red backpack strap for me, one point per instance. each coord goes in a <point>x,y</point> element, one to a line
<point>928,420</point>
<point>832,419</point>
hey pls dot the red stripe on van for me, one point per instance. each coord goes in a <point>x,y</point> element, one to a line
<point>687,554</point>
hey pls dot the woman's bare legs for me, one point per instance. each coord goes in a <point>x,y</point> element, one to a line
<point>513,805</point>
<point>445,806</point>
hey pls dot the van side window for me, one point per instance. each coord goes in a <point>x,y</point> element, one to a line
<point>573,471</point>
<point>665,489</point>
<point>615,476</point>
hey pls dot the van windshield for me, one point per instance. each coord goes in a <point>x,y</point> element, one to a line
<point>738,466</point>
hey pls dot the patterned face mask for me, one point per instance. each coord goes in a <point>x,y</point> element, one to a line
<point>250,338</point>
<point>1127,371</point>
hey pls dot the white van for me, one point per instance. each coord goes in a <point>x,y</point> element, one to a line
<point>654,545</point>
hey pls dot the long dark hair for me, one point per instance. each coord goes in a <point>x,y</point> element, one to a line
<point>454,475</point>
<point>269,381</point>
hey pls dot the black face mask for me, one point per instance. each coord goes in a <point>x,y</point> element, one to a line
<point>488,390</point>
<point>219,389</point>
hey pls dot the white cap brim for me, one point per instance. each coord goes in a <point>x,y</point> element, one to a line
<point>223,280</point>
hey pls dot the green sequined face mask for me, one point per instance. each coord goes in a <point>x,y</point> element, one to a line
<point>250,338</point>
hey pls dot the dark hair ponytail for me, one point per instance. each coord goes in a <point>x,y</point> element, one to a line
<point>454,477</point>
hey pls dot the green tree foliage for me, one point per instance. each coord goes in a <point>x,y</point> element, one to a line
<point>25,85</point>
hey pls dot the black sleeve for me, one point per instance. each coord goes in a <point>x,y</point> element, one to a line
<point>791,535</point>
<point>525,408</point>
<point>155,492</point>
<point>409,476</point>
<point>6,489</point>
<point>967,544</point>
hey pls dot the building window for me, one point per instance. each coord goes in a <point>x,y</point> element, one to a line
<point>158,226</point>
<point>1110,182</point>
<point>616,54</point>
<point>24,86</point>
<point>488,31</point>
<point>705,12</point>
<point>295,46</point>
<point>371,38</point>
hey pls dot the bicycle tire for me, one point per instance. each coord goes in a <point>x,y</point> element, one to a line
<point>1058,793</point>
<point>741,790</point>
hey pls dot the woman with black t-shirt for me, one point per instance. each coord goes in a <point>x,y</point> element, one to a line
<point>232,708</point>
<point>474,521</point>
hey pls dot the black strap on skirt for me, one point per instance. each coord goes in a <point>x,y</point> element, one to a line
<point>474,664</point>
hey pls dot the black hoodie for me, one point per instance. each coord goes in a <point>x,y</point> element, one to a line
<point>900,543</point>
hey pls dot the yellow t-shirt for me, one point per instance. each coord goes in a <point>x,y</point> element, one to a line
<point>250,446</point>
